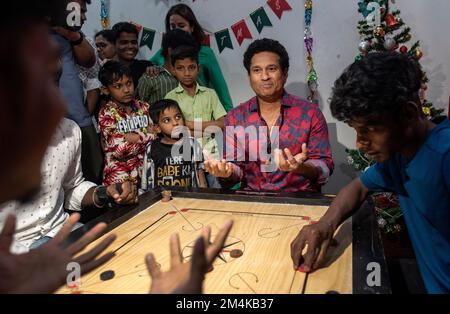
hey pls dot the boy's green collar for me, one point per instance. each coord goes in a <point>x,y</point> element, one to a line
<point>180,89</point>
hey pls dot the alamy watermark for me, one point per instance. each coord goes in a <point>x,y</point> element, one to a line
<point>236,144</point>
<point>74,14</point>
<point>73,279</point>
<point>373,279</point>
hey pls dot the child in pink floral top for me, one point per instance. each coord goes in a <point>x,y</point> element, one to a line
<point>125,125</point>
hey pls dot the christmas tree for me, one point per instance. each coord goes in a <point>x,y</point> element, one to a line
<point>382,29</point>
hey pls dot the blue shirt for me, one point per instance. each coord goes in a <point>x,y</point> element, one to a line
<point>423,187</point>
<point>70,84</point>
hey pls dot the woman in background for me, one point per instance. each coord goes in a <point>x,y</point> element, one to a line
<point>181,16</point>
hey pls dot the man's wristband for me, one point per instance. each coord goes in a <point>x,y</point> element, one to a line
<point>102,196</point>
<point>79,41</point>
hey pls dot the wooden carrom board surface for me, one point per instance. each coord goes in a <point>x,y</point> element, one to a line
<point>263,231</point>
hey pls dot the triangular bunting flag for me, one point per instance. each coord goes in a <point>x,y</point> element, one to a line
<point>223,39</point>
<point>148,36</point>
<point>138,26</point>
<point>241,31</point>
<point>279,6</point>
<point>260,19</point>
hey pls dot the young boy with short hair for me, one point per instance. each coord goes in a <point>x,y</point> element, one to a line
<point>205,115</point>
<point>125,125</point>
<point>378,96</point>
<point>154,88</point>
<point>170,161</point>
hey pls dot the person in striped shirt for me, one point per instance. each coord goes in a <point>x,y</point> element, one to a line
<point>152,89</point>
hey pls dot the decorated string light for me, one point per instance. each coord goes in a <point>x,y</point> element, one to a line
<point>104,16</point>
<point>311,78</point>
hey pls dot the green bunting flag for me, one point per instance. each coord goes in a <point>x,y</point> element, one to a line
<point>260,19</point>
<point>223,40</point>
<point>147,38</point>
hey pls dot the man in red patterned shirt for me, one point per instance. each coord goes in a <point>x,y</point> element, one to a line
<point>275,141</point>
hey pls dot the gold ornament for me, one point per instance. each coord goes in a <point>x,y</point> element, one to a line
<point>419,54</point>
<point>426,111</point>
<point>105,23</point>
<point>379,31</point>
<point>308,4</point>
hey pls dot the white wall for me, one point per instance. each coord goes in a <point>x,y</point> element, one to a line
<point>336,44</point>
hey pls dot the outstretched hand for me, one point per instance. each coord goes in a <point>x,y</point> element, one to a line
<point>183,278</point>
<point>285,161</point>
<point>43,270</point>
<point>217,168</point>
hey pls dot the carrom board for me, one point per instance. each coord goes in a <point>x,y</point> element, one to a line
<point>262,232</point>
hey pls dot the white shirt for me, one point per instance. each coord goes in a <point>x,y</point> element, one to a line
<point>89,76</point>
<point>63,186</point>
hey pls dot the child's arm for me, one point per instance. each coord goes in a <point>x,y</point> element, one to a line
<point>139,137</point>
<point>202,179</point>
<point>220,123</point>
<point>217,120</point>
<point>113,141</point>
<point>132,138</point>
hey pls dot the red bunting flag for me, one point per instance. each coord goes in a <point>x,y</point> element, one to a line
<point>241,31</point>
<point>138,26</point>
<point>279,6</point>
<point>207,40</point>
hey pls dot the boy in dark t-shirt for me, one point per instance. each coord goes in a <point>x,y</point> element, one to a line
<point>170,161</point>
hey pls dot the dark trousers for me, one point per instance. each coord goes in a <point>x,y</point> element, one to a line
<point>91,155</point>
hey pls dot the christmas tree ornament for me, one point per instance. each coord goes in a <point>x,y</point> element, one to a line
<point>362,8</point>
<point>390,20</point>
<point>403,49</point>
<point>419,54</point>
<point>390,44</point>
<point>379,31</point>
<point>397,228</point>
<point>381,222</point>
<point>364,46</point>
<point>426,111</point>
<point>358,57</point>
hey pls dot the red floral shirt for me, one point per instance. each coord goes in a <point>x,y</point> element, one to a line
<point>123,160</point>
<point>247,139</point>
